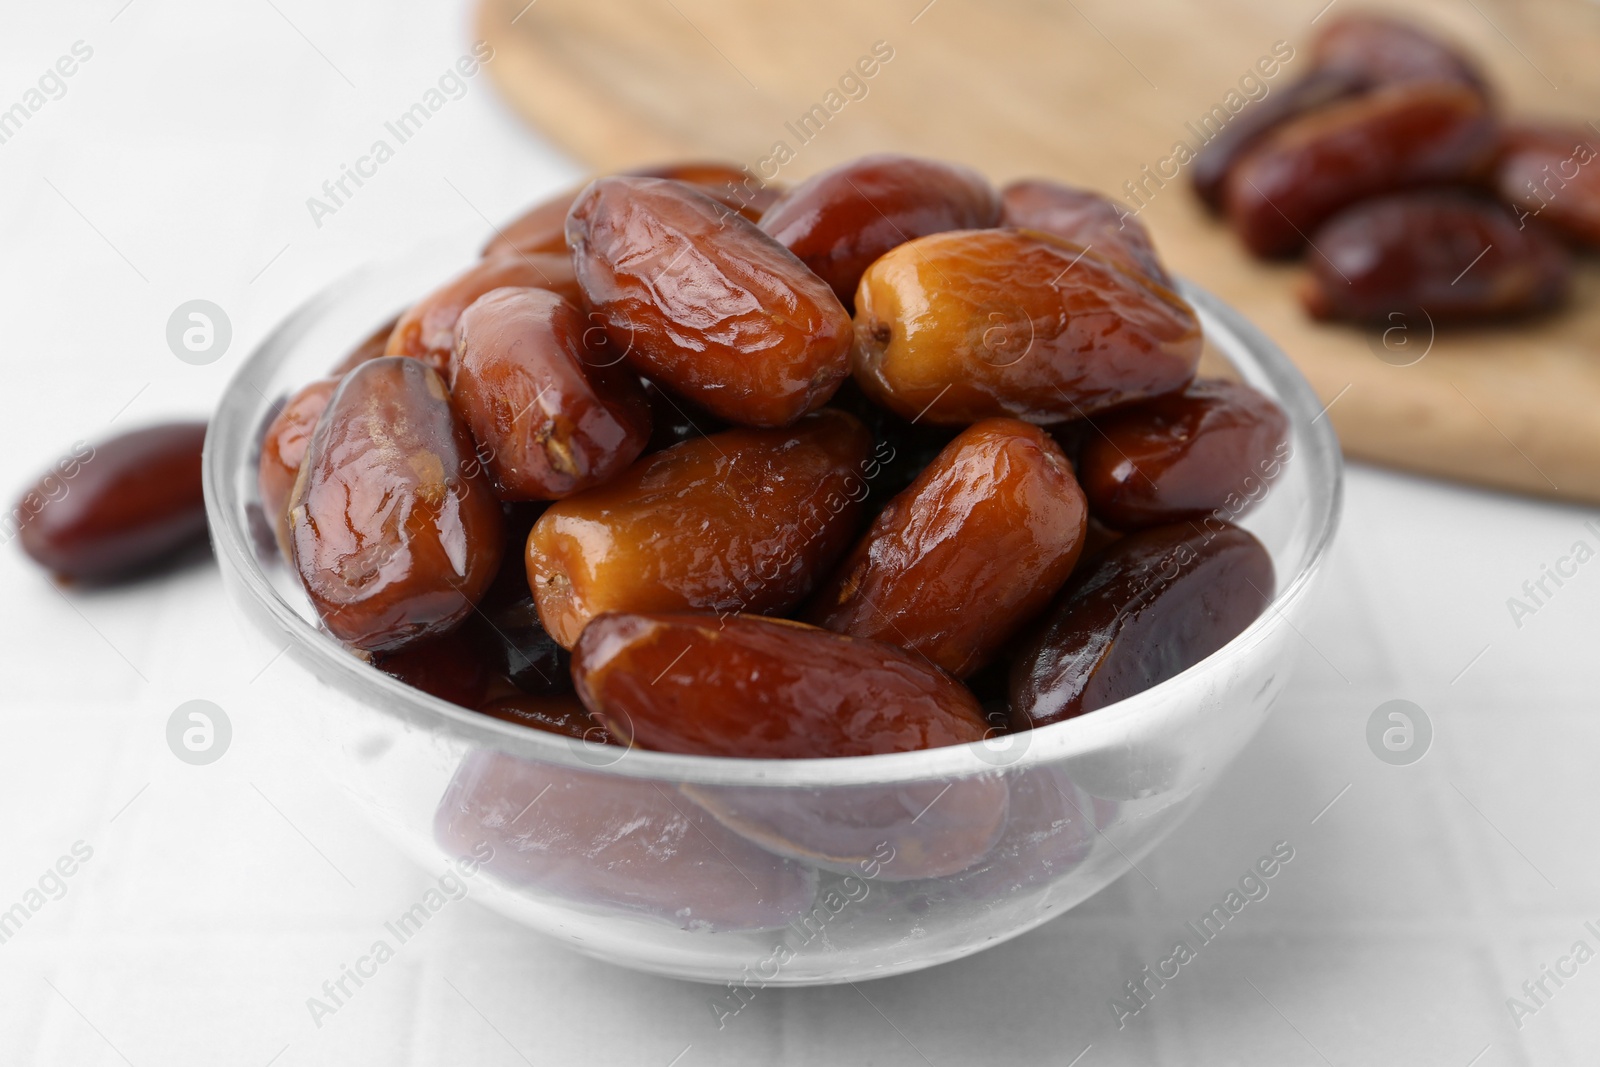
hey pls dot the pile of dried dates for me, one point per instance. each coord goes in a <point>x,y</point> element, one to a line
<point>885,461</point>
<point>1390,162</point>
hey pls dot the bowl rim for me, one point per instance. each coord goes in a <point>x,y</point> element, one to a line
<point>233,437</point>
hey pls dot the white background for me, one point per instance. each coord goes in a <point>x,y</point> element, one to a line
<point>219,898</point>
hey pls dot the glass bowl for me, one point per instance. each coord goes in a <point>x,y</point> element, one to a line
<point>757,872</point>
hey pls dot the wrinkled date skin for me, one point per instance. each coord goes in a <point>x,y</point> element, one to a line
<point>395,529</point>
<point>705,303</point>
<point>1212,164</point>
<point>758,688</point>
<point>106,511</point>
<point>1391,139</point>
<point>427,331</point>
<point>552,414</point>
<point>1453,256</point>
<point>1151,606</point>
<point>543,227</point>
<point>746,520</point>
<point>891,833</point>
<point>1553,175</point>
<point>1384,51</point>
<point>975,324</point>
<point>975,547</point>
<point>557,713</point>
<point>283,446</point>
<point>1085,218</point>
<point>625,844</point>
<point>1216,446</point>
<point>841,220</point>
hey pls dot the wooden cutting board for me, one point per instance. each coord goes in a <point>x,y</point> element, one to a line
<point>1090,92</point>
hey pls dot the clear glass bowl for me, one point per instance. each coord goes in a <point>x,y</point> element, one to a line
<point>788,872</point>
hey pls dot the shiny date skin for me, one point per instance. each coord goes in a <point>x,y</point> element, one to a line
<point>283,447</point>
<point>552,413</point>
<point>1381,50</point>
<point>760,688</point>
<point>1151,606</point>
<point>394,527</point>
<point>1182,456</point>
<point>626,845</point>
<point>976,324</point>
<point>1217,157</point>
<point>841,220</point>
<point>1551,174</point>
<point>1085,218</point>
<point>543,227</point>
<point>746,520</point>
<point>105,512</point>
<point>705,303</point>
<point>427,329</point>
<point>977,546</point>
<point>1395,138</point>
<point>1450,256</point>
<point>558,713</point>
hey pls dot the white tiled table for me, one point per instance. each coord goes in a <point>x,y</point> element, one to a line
<point>217,899</point>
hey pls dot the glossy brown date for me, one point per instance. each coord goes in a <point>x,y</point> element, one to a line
<point>1398,137</point>
<point>974,324</point>
<point>283,446</point>
<point>746,520</point>
<point>1552,174</point>
<point>552,413</point>
<point>427,330</point>
<point>543,227</point>
<point>975,547</point>
<point>1215,447</point>
<point>556,713</point>
<point>1217,157</point>
<point>394,527</point>
<point>106,511</point>
<point>1444,256</point>
<point>1085,218</point>
<point>841,220</point>
<point>762,688</point>
<point>1152,605</point>
<point>1382,50</point>
<point>623,844</point>
<point>706,303</point>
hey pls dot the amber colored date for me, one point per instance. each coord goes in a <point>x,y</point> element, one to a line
<point>761,688</point>
<point>1552,174</point>
<point>552,413</point>
<point>557,713</point>
<point>1216,446</point>
<point>106,511</point>
<point>1217,157</point>
<point>1445,256</point>
<point>1395,138</point>
<point>283,447</point>
<point>964,326</point>
<point>427,329</point>
<point>975,547</point>
<point>1151,606</point>
<point>1085,218</point>
<point>746,520</point>
<point>706,303</point>
<point>1382,50</point>
<point>841,220</point>
<point>395,530</point>
<point>628,845</point>
<point>543,227</point>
